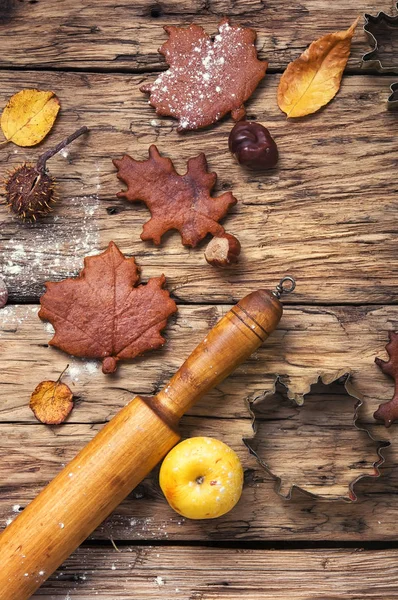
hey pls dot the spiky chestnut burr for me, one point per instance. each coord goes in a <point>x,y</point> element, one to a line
<point>30,189</point>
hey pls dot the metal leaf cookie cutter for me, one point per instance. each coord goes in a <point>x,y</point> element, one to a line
<point>322,453</point>
<point>392,101</point>
<point>376,28</point>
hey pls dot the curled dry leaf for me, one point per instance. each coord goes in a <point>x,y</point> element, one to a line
<point>29,116</point>
<point>388,412</point>
<point>103,314</point>
<point>51,402</point>
<point>207,79</point>
<point>314,78</point>
<point>182,202</point>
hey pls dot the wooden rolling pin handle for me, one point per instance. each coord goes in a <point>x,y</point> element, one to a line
<point>104,472</point>
<point>235,337</point>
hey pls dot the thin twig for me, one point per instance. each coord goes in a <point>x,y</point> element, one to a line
<point>41,163</point>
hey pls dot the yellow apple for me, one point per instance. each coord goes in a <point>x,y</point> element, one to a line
<point>202,478</point>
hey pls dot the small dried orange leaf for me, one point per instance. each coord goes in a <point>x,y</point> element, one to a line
<point>313,79</point>
<point>29,116</point>
<point>51,402</point>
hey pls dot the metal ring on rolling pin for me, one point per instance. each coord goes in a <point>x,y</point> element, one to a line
<point>282,289</point>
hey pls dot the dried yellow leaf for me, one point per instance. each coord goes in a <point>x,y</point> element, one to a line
<point>313,79</point>
<point>51,402</point>
<point>29,116</point>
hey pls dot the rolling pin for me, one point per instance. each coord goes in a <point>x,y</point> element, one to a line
<point>90,487</point>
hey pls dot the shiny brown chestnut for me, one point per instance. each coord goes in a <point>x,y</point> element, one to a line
<point>253,146</point>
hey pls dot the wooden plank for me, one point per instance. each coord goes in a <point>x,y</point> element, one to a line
<point>325,214</point>
<point>166,573</point>
<point>30,456</point>
<point>316,447</point>
<point>125,36</point>
<point>309,341</point>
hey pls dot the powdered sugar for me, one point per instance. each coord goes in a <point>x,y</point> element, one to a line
<point>49,328</point>
<point>197,88</point>
<point>81,370</point>
<point>12,317</point>
<point>55,250</point>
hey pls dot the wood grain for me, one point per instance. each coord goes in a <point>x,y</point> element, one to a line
<point>167,573</point>
<point>125,451</point>
<point>325,214</point>
<point>82,495</point>
<point>30,456</point>
<point>309,341</point>
<point>125,36</point>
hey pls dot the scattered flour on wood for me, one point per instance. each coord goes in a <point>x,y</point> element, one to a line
<point>81,370</point>
<point>49,328</point>
<point>12,317</point>
<point>144,527</point>
<point>159,580</point>
<point>54,250</point>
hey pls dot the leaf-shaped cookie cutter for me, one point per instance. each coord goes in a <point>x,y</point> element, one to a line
<point>392,101</point>
<point>327,380</point>
<point>370,60</point>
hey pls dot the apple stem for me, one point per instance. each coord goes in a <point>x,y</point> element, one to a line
<point>200,480</point>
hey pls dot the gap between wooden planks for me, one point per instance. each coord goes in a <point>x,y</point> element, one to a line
<point>356,214</point>
<point>160,573</point>
<point>32,455</point>
<point>309,340</point>
<point>326,215</point>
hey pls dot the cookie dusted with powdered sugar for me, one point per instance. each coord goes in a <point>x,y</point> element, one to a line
<point>207,78</point>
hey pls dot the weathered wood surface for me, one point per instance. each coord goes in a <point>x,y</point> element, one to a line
<point>125,36</point>
<point>326,214</point>
<point>167,573</point>
<point>309,341</point>
<point>32,455</point>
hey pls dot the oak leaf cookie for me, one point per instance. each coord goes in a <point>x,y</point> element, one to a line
<point>182,202</point>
